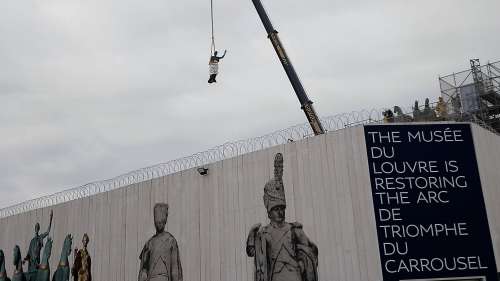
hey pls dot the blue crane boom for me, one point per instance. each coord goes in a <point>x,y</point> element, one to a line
<point>306,103</point>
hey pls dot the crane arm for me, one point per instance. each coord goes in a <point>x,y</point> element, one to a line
<point>306,103</point>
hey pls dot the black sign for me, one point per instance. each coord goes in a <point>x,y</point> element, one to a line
<point>429,207</point>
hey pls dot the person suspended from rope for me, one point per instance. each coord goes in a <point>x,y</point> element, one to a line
<point>213,66</point>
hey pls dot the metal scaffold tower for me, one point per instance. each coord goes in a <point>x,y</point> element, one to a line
<point>474,94</point>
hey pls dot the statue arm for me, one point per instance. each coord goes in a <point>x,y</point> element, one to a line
<point>307,255</point>
<point>175,263</point>
<point>76,264</point>
<point>27,258</point>
<point>261,259</point>
<point>301,238</point>
<point>28,253</point>
<point>43,235</point>
<point>250,248</point>
<point>89,266</point>
<point>144,260</point>
<point>144,257</point>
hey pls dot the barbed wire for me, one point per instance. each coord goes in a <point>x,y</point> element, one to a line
<point>218,153</point>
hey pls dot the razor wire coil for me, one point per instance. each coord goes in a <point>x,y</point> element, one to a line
<point>218,153</point>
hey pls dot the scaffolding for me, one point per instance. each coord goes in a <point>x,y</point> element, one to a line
<point>474,94</point>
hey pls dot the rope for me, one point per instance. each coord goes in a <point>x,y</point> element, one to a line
<point>212,47</point>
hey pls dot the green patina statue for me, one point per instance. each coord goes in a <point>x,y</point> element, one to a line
<point>63,270</point>
<point>18,263</point>
<point>3,273</point>
<point>43,273</point>
<point>33,255</point>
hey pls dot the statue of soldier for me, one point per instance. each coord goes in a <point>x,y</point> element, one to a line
<point>282,251</point>
<point>160,259</point>
<point>33,255</point>
<point>81,270</point>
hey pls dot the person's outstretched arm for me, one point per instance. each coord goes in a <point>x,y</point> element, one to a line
<point>223,54</point>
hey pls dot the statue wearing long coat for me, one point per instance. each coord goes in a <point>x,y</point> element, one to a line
<point>284,254</point>
<point>160,259</point>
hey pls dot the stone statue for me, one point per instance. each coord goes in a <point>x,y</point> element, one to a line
<point>160,256</point>
<point>33,255</point>
<point>388,116</point>
<point>281,250</point>
<point>400,116</point>
<point>18,263</point>
<point>3,273</point>
<point>456,104</point>
<point>441,109</point>
<point>428,113</point>
<point>81,270</point>
<point>43,273</point>
<point>417,114</point>
<point>62,271</point>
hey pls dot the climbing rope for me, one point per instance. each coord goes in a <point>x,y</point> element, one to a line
<point>212,47</point>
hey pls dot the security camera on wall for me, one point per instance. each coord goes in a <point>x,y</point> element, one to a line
<point>202,171</point>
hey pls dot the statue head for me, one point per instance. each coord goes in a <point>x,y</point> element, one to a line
<point>215,53</point>
<point>416,105</point>
<point>160,216</point>
<point>85,240</point>
<point>37,228</point>
<point>277,214</point>
<point>427,102</point>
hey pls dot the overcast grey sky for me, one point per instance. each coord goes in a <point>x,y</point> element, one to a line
<point>96,88</point>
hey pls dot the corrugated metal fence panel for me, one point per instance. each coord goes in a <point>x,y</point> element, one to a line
<point>487,146</point>
<point>327,188</point>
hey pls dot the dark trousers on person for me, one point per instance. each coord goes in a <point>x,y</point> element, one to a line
<point>212,78</point>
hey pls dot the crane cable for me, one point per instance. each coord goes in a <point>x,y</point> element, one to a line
<point>212,47</point>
